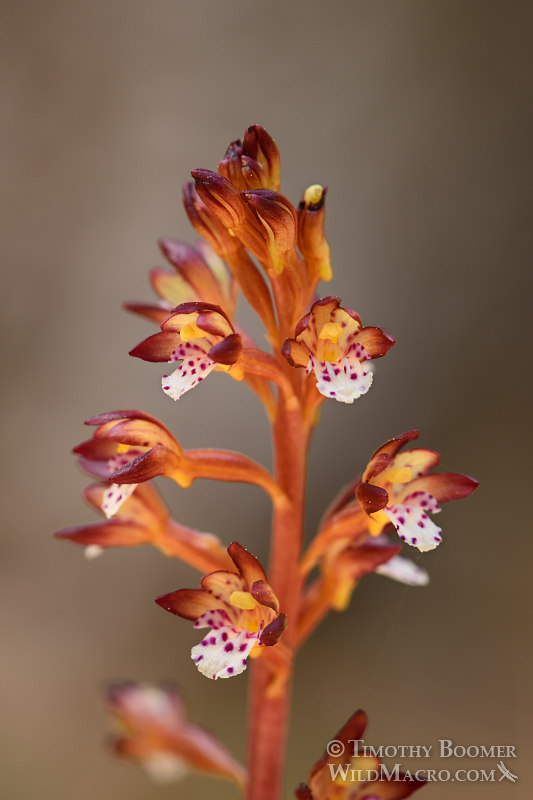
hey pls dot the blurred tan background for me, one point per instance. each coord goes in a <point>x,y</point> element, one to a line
<point>417,115</point>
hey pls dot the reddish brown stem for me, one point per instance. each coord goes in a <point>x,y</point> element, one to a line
<point>269,715</point>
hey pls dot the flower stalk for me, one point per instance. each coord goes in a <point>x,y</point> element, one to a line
<point>258,243</point>
<point>269,711</point>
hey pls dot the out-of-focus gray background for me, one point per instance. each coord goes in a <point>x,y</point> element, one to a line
<point>417,115</point>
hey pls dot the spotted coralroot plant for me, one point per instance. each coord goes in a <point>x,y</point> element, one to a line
<point>255,242</point>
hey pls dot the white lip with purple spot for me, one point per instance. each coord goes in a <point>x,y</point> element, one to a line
<point>223,652</point>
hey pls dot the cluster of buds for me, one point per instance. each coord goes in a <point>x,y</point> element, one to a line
<point>256,242</point>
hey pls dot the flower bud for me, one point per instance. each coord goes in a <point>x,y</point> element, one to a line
<point>235,168</point>
<point>230,167</point>
<point>207,225</point>
<point>279,222</point>
<point>261,147</point>
<point>221,197</point>
<point>312,241</point>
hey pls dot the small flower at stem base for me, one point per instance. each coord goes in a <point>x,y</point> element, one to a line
<point>153,731</point>
<point>351,776</point>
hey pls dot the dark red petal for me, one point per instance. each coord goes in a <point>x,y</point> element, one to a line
<point>363,560</point>
<point>146,466</point>
<point>101,419</point>
<point>278,213</point>
<point>211,322</point>
<point>96,448</point>
<point>247,564</point>
<point>153,313</point>
<point>444,486</point>
<point>158,347</point>
<point>220,197</point>
<point>273,631</point>
<point>106,534</point>
<point>188,603</point>
<point>227,351</point>
<point>375,341</point>
<point>352,730</point>
<point>379,463</point>
<point>259,145</point>
<point>371,498</point>
<point>303,792</point>
<point>264,594</point>
<point>390,449</point>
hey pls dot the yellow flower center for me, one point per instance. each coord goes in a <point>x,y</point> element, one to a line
<point>256,651</point>
<point>397,474</point>
<point>243,600</point>
<point>331,331</point>
<point>122,448</point>
<point>191,331</point>
<point>313,194</point>
<point>377,522</point>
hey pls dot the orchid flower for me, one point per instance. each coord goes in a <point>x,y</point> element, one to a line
<point>127,448</point>
<point>396,488</point>
<point>152,730</point>
<point>198,275</point>
<point>239,608</point>
<point>359,784</point>
<point>201,338</point>
<point>154,451</point>
<point>144,519</point>
<point>331,342</point>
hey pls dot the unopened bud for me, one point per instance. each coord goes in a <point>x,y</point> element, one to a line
<point>207,225</point>
<point>261,147</point>
<point>279,221</point>
<point>221,197</point>
<point>242,170</point>
<point>230,167</point>
<point>311,237</point>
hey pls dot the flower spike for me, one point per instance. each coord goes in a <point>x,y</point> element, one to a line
<point>331,342</point>
<point>240,609</point>
<point>257,243</point>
